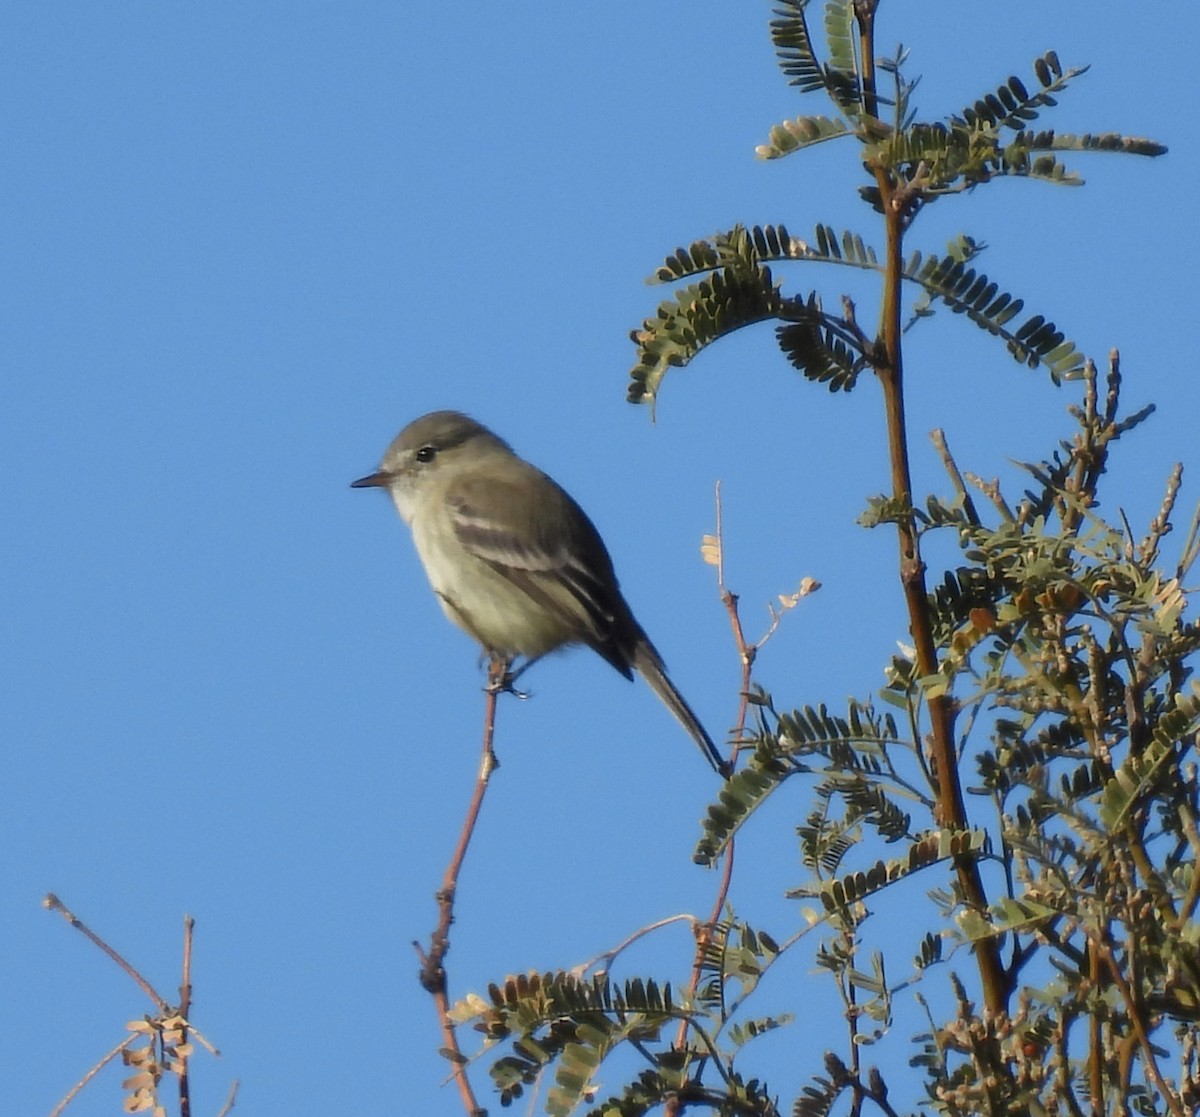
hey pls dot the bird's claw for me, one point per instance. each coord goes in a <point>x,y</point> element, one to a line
<point>504,685</point>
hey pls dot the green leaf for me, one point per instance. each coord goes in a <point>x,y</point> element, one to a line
<point>1011,106</point>
<point>841,72</point>
<point>1007,914</point>
<point>813,343</point>
<point>1104,142</point>
<point>938,845</point>
<point>794,47</point>
<point>573,1077</point>
<point>700,257</point>
<point>697,316</point>
<point>940,158</point>
<point>739,797</point>
<point>797,56</point>
<point>930,951</point>
<point>1019,156</point>
<point>854,745</point>
<point>800,132</point>
<point>646,1093</point>
<point>817,1098</point>
<point>1139,771</point>
<point>1036,341</point>
<point>572,1022</point>
<point>742,1033</point>
<point>849,249</point>
<point>741,248</point>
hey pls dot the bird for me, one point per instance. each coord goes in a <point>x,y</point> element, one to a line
<point>514,561</point>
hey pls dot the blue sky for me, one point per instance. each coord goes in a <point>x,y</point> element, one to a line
<point>244,244</point>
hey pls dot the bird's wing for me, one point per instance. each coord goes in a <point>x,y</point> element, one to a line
<point>547,548</point>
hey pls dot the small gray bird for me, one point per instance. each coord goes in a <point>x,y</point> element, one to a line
<point>514,561</point>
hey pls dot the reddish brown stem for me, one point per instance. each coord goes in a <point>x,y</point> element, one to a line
<point>746,653</point>
<point>433,971</point>
<point>951,809</point>
<point>1140,1029</point>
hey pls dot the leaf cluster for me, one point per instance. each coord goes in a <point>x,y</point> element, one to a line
<point>1053,672</point>
<point>572,1023</point>
<point>917,162</point>
<point>1070,652</point>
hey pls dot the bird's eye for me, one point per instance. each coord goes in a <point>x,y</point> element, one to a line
<point>426,453</point>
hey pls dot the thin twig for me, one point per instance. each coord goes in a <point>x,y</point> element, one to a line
<point>433,971</point>
<point>607,957</point>
<point>1095,1059</point>
<point>938,437</point>
<point>704,936</point>
<point>746,653</point>
<point>875,1090</point>
<point>991,489</point>
<point>1188,908</point>
<point>1161,524</point>
<point>850,997</point>
<point>185,1006</point>
<point>73,1092</point>
<point>53,903</point>
<point>230,1098</point>
<point>1191,547</point>
<point>1139,1027</point>
<point>1064,1075</point>
<point>720,536</point>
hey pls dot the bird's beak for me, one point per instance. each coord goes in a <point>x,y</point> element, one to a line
<point>378,480</point>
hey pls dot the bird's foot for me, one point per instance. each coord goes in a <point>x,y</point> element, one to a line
<point>502,678</point>
<point>504,685</point>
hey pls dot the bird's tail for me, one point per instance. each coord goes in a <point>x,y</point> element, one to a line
<point>650,666</point>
